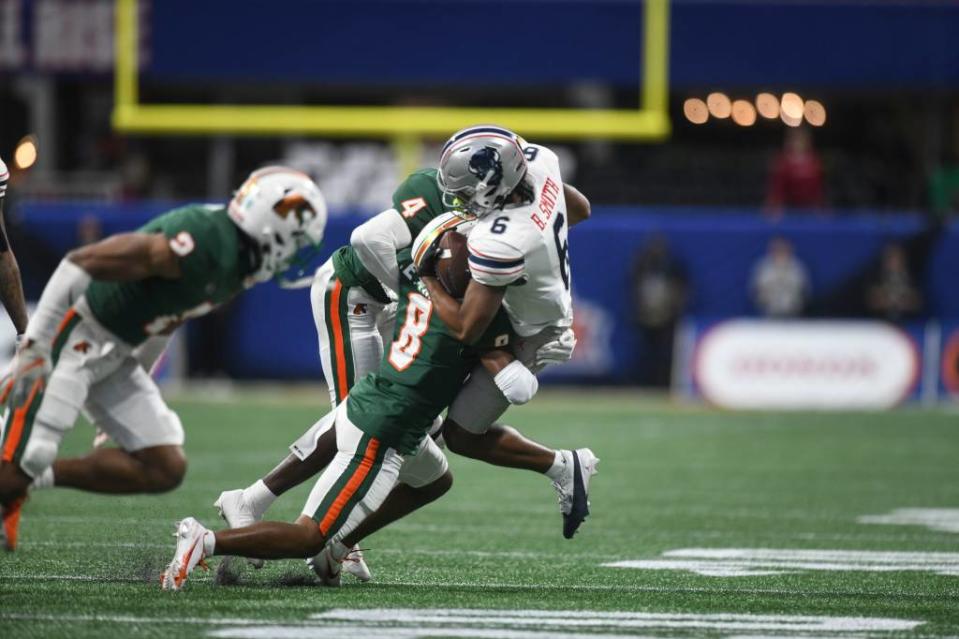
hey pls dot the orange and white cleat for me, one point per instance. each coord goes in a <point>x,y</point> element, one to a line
<point>190,553</point>
<point>11,522</point>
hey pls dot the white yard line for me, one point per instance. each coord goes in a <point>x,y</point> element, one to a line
<point>743,562</point>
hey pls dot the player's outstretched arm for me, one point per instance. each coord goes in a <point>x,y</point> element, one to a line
<point>517,382</point>
<point>128,257</point>
<point>467,321</point>
<point>123,257</point>
<point>577,206</point>
<point>11,288</point>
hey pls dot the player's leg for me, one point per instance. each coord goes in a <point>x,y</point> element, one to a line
<point>41,407</point>
<point>350,346</point>
<point>424,477</point>
<point>353,485</point>
<point>470,431</point>
<point>127,405</point>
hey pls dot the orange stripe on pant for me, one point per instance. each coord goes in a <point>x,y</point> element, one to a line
<point>351,486</point>
<point>19,418</point>
<point>338,345</point>
<point>64,322</point>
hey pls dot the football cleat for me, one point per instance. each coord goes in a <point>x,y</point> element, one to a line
<point>573,489</point>
<point>326,568</point>
<point>236,513</point>
<point>355,565</point>
<point>189,554</point>
<point>11,522</point>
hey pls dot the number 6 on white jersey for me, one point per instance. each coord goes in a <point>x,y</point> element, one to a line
<point>409,343</point>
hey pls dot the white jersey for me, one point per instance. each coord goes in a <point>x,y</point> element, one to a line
<point>525,248</point>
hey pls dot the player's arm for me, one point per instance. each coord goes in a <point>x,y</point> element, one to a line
<point>11,287</point>
<point>517,382</point>
<point>124,257</point>
<point>577,206</point>
<point>467,321</point>
<point>376,242</point>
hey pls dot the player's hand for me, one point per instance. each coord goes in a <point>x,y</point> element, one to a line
<point>558,351</point>
<point>30,368</point>
<point>425,245</point>
<point>426,266</point>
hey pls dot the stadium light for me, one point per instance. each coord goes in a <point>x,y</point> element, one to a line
<point>743,113</point>
<point>814,112</point>
<point>768,105</point>
<point>695,111</point>
<point>719,105</point>
<point>26,153</point>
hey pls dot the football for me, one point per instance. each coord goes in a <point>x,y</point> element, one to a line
<point>452,267</point>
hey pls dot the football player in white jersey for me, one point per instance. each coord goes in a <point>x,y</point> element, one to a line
<point>519,258</point>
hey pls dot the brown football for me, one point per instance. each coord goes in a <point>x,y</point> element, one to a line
<point>452,266</point>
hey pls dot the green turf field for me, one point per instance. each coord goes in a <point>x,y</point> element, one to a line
<point>766,505</point>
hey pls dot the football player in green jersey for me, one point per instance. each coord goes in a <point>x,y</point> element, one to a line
<point>351,299</point>
<point>104,301</point>
<point>382,447</point>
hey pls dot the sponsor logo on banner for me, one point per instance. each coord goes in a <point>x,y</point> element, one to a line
<point>805,364</point>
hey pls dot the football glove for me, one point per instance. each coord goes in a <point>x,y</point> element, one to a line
<point>30,366</point>
<point>558,351</point>
<point>424,249</point>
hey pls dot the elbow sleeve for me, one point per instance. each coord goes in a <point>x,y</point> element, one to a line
<point>517,383</point>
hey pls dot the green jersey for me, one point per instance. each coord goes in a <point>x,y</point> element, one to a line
<point>214,262</point>
<point>422,370</point>
<point>418,200</point>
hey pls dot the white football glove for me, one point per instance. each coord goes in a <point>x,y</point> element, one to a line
<point>558,351</point>
<point>30,364</point>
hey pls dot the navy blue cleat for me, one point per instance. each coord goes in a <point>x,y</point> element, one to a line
<point>574,488</point>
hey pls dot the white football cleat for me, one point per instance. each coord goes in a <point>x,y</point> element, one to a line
<point>234,510</point>
<point>189,554</point>
<point>354,564</point>
<point>573,488</point>
<point>326,568</point>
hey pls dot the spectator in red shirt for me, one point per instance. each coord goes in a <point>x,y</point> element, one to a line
<point>795,177</point>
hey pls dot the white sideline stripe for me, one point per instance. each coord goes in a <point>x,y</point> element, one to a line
<point>412,623</point>
<point>563,618</point>
<point>938,519</point>
<point>380,632</point>
<point>863,556</point>
<point>739,562</point>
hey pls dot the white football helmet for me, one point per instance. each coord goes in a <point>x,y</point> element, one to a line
<point>480,167</point>
<point>283,211</point>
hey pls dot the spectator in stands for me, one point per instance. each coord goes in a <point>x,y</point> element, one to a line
<point>780,284</point>
<point>89,230</point>
<point>659,292</point>
<point>892,293</point>
<point>795,175</point>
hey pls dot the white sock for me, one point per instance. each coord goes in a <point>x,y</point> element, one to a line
<point>209,543</point>
<point>558,469</point>
<point>44,479</point>
<point>338,550</point>
<point>259,497</point>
